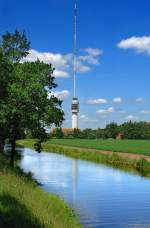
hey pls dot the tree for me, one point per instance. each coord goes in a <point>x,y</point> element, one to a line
<point>13,47</point>
<point>28,105</point>
<point>135,130</point>
<point>77,133</point>
<point>88,133</point>
<point>101,133</point>
<point>112,130</point>
<point>5,79</point>
<point>59,133</point>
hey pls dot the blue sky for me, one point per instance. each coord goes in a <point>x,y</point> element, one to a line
<point>113,53</point>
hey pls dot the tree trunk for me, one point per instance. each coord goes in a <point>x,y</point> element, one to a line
<point>12,157</point>
<point>1,144</point>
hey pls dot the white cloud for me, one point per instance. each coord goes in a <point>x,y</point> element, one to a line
<point>140,44</point>
<point>117,100</point>
<point>145,111</point>
<point>140,100</point>
<point>97,101</point>
<point>89,59</point>
<point>106,111</point>
<point>84,118</point>
<point>59,61</point>
<point>63,63</point>
<point>93,51</point>
<point>61,74</point>
<point>59,94</point>
<point>131,117</point>
<point>82,68</point>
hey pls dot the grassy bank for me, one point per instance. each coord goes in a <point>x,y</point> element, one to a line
<point>113,159</point>
<point>129,146</point>
<point>24,204</point>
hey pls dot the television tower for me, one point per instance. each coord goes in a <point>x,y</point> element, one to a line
<point>75,102</point>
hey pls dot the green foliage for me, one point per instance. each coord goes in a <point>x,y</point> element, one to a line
<point>59,134</point>
<point>136,130</point>
<point>77,134</point>
<point>129,130</point>
<point>112,130</point>
<point>29,107</point>
<point>14,46</point>
<point>5,78</point>
<point>24,87</point>
<point>88,133</point>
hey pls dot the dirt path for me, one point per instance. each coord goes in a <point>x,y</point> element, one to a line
<point>122,154</point>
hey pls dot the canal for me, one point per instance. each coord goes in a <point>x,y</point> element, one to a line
<point>100,195</point>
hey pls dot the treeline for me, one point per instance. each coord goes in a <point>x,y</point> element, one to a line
<point>127,130</point>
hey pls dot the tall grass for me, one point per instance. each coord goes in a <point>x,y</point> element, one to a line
<point>24,204</point>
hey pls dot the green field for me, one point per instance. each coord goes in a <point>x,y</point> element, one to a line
<point>24,204</point>
<point>129,146</point>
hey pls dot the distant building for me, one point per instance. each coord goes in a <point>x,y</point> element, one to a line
<point>64,131</point>
<point>67,130</point>
<point>120,136</point>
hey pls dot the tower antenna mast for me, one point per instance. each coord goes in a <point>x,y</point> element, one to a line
<point>75,102</point>
<point>75,47</point>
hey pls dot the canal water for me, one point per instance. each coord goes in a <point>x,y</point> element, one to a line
<point>100,195</point>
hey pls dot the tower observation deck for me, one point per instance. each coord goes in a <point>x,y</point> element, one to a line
<point>75,110</point>
<point>75,102</point>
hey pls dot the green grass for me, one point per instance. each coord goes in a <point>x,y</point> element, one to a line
<point>139,165</point>
<point>129,146</point>
<point>24,204</point>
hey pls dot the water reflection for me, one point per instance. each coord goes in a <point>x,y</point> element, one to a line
<point>18,152</point>
<point>101,196</point>
<point>74,179</point>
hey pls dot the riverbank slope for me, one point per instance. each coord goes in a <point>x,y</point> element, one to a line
<point>139,162</point>
<point>124,146</point>
<point>24,204</point>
